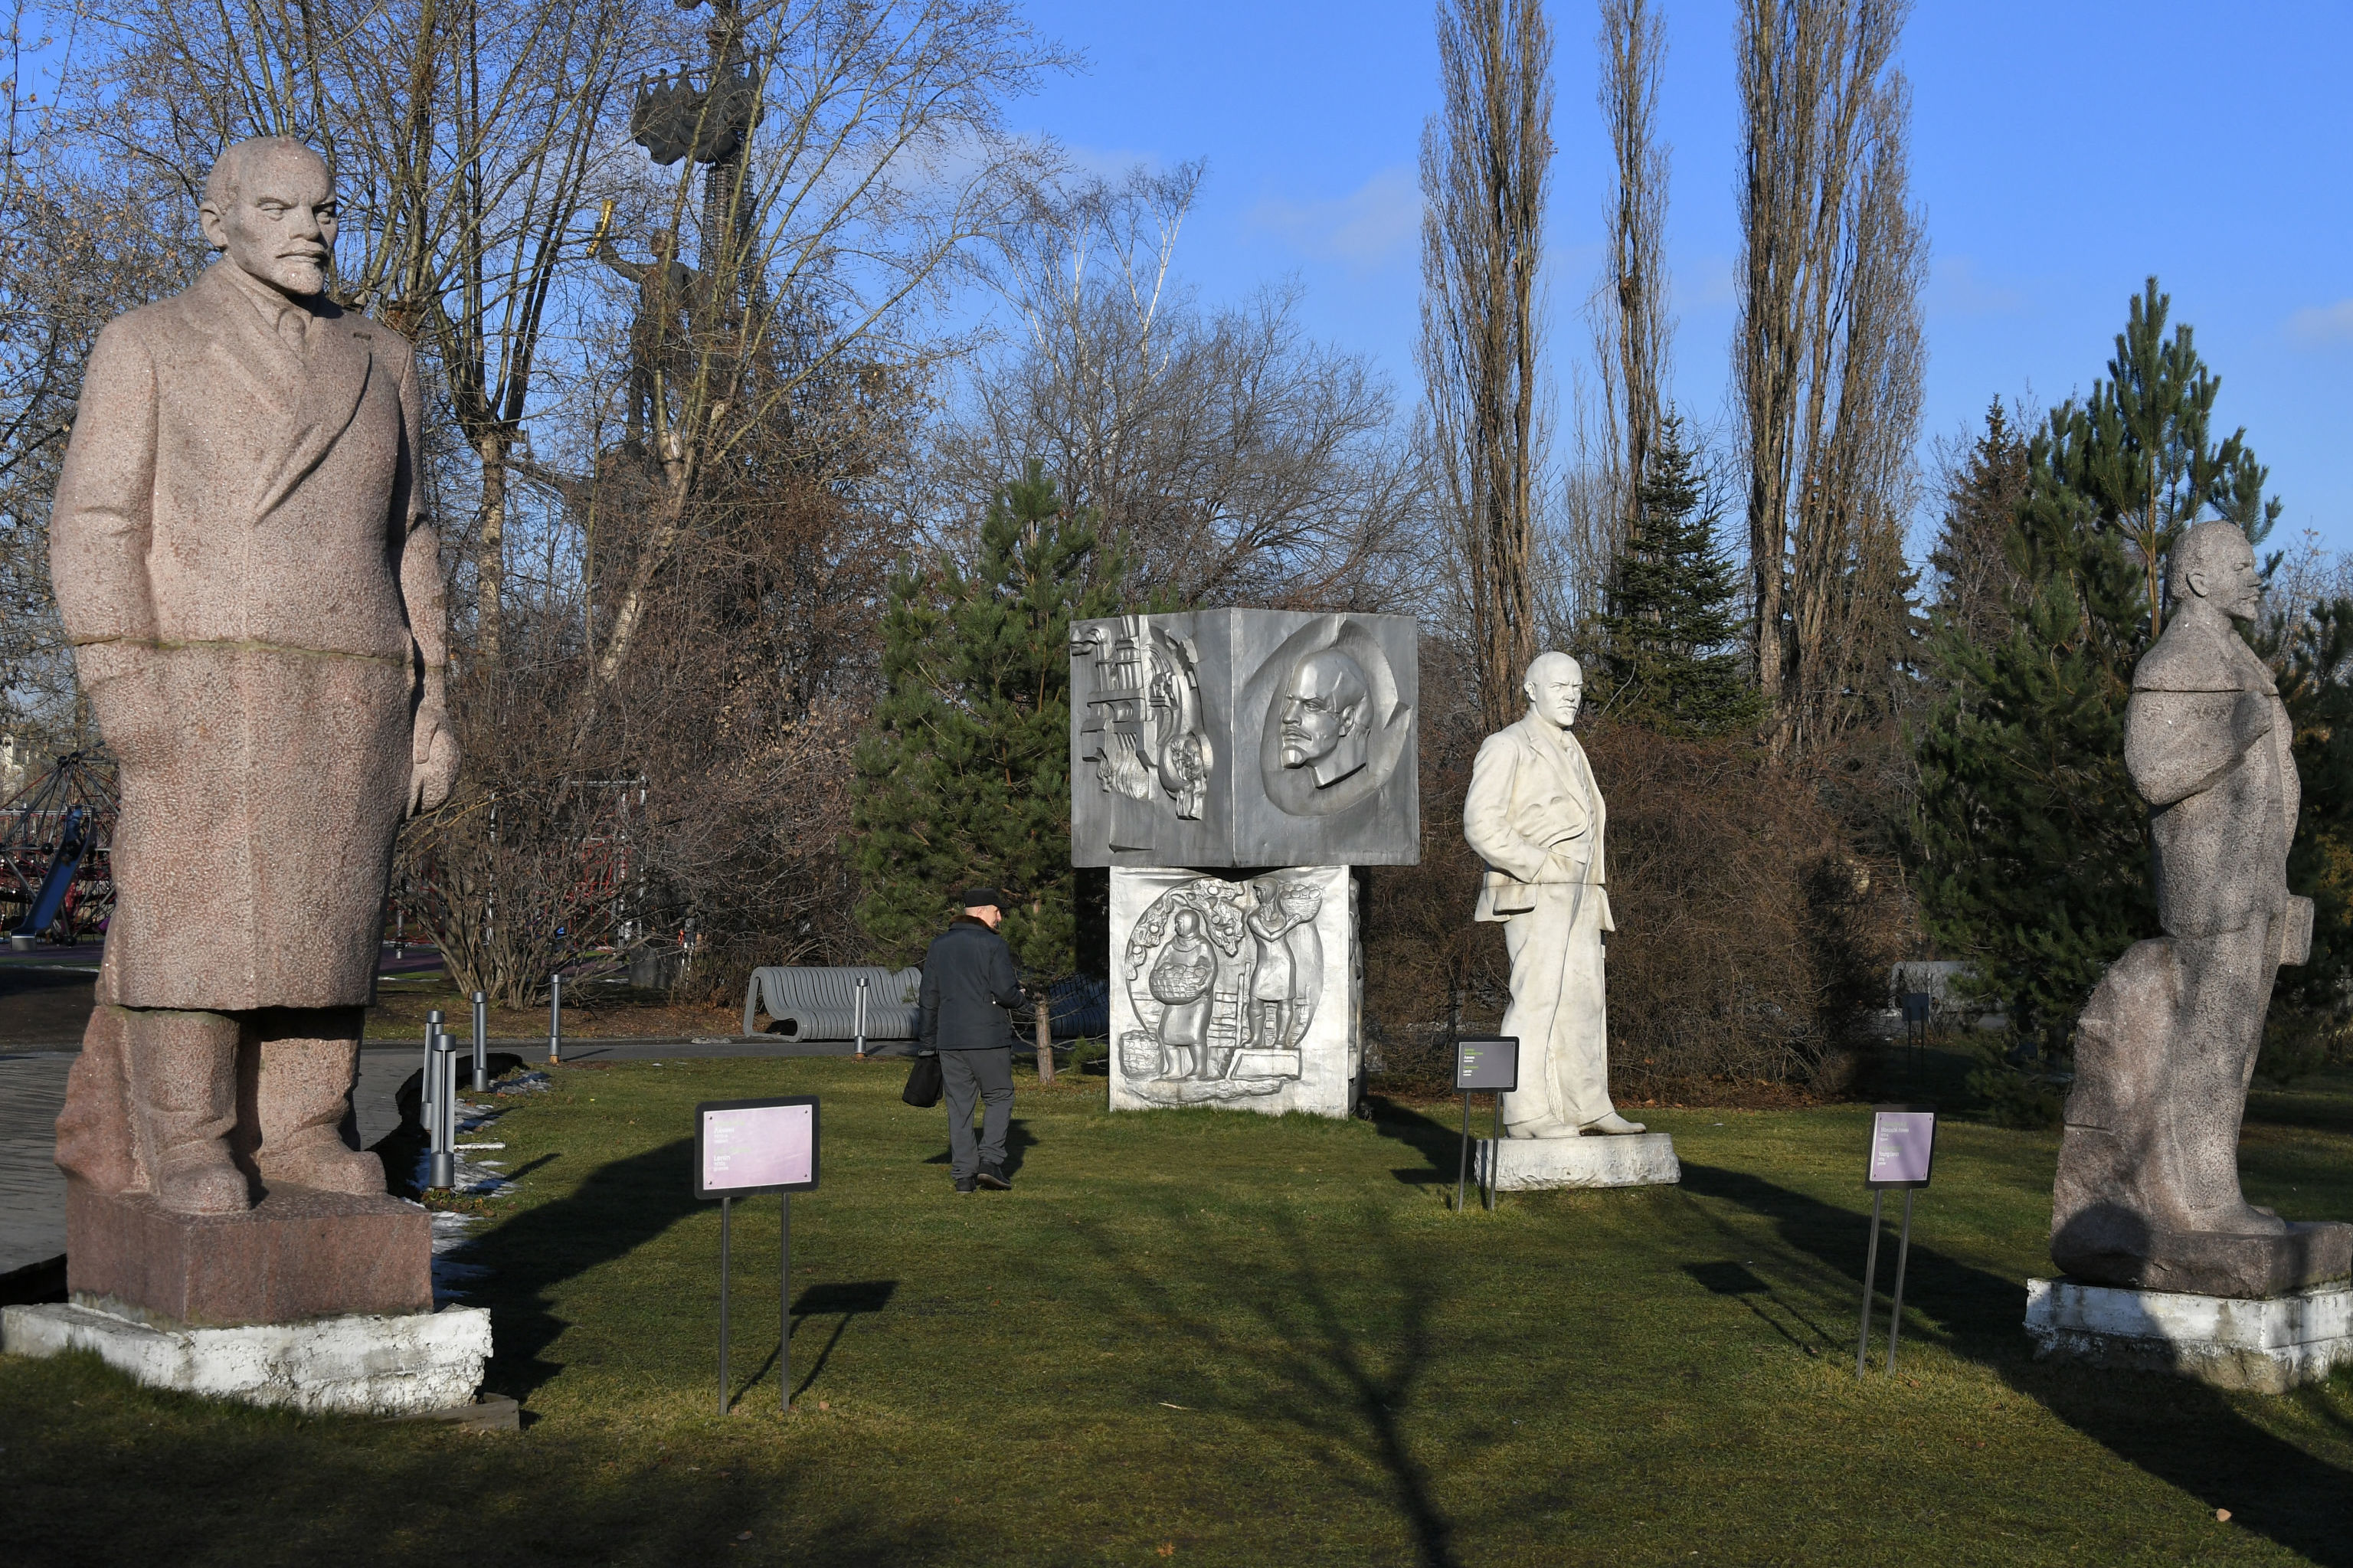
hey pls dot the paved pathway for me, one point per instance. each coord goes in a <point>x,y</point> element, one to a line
<point>31,1190</point>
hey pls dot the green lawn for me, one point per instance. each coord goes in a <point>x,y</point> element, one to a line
<point>1213,1336</point>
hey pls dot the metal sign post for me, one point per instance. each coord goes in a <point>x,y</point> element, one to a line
<point>1488,1064</point>
<point>747,1146</point>
<point>1902,1154</point>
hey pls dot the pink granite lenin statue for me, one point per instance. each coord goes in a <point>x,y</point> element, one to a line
<point>255,600</point>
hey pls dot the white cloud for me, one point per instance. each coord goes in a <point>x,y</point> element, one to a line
<point>1362,229</point>
<point>2318,324</point>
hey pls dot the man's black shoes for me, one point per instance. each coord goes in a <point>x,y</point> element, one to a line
<point>993,1177</point>
<point>964,1183</point>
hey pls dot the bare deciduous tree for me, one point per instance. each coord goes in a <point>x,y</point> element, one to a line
<point>1485,157</point>
<point>1828,354</point>
<point>1230,457</point>
<point>878,162</point>
<point>1632,326</point>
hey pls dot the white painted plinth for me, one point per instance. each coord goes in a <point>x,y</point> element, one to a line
<point>1635,1160</point>
<point>357,1366</point>
<point>2267,1346</point>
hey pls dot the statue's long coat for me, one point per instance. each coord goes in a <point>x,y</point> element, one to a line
<point>227,545</point>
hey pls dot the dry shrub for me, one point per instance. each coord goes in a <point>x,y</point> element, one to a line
<point>1752,934</point>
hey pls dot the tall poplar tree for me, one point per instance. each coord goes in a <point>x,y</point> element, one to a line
<point>966,778</point>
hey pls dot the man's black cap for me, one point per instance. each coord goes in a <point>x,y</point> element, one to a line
<point>981,898</point>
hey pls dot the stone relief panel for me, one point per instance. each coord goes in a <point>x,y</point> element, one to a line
<point>1143,727</point>
<point>1234,992</point>
<point>1244,738</point>
<point>1336,725</point>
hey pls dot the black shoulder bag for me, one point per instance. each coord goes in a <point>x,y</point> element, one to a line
<point>923,1090</point>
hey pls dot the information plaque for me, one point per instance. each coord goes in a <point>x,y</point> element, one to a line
<point>747,1147</point>
<point>741,1149</point>
<point>1903,1145</point>
<point>1487,1065</point>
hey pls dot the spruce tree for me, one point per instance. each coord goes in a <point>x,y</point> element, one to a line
<point>1673,623</point>
<point>965,777</point>
<point>1975,585</point>
<point>2031,845</point>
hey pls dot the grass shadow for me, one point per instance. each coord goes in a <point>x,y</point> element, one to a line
<point>2185,1434</point>
<point>617,1207</point>
<point>848,1299</point>
<point>1018,1139</point>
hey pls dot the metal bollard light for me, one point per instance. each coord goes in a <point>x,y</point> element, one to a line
<point>555,1018</point>
<point>443,1172</point>
<point>427,1103</point>
<point>861,1018</point>
<point>482,1042</point>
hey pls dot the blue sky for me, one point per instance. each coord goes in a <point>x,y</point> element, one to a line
<point>2063,150</point>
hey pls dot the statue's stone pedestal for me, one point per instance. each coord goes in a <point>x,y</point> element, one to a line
<point>319,1302</point>
<point>2264,1345</point>
<point>299,1254</point>
<point>2109,1245</point>
<point>1208,1008</point>
<point>371,1365</point>
<point>1529,1164</point>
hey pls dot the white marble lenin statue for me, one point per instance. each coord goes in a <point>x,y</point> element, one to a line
<point>1535,817</point>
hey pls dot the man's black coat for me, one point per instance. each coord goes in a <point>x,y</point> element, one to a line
<point>969,981</point>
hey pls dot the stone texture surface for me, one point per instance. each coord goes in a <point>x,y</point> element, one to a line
<point>1244,738</point>
<point>357,1365</point>
<point>2146,1193</point>
<point>244,565</point>
<point>2266,1346</point>
<point>1245,993</point>
<point>1528,1164</point>
<point>1534,815</point>
<point>298,1254</point>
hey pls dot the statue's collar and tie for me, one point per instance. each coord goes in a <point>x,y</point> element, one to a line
<point>285,319</point>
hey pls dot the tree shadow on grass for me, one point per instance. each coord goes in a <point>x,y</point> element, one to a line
<point>2185,1434</point>
<point>1330,1386</point>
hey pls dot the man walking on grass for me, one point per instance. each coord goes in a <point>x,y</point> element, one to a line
<point>969,987</point>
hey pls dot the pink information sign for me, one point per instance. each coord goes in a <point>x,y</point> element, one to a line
<point>755,1146</point>
<point>1903,1145</point>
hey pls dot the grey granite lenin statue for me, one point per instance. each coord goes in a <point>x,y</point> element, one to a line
<point>2148,1191</point>
<point>1535,816</point>
<point>255,600</point>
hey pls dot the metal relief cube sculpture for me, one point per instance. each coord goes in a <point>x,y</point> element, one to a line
<point>1239,992</point>
<point>1244,738</point>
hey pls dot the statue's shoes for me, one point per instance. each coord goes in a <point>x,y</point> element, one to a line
<point>328,1167</point>
<point>201,1180</point>
<point>1613,1124</point>
<point>1541,1130</point>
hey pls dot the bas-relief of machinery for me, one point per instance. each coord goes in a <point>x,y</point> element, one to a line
<point>1244,738</point>
<point>1225,981</point>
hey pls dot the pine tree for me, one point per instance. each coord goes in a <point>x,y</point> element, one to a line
<point>1673,622</point>
<point>2031,845</point>
<point>965,776</point>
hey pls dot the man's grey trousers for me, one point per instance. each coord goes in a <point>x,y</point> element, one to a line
<point>986,1075</point>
